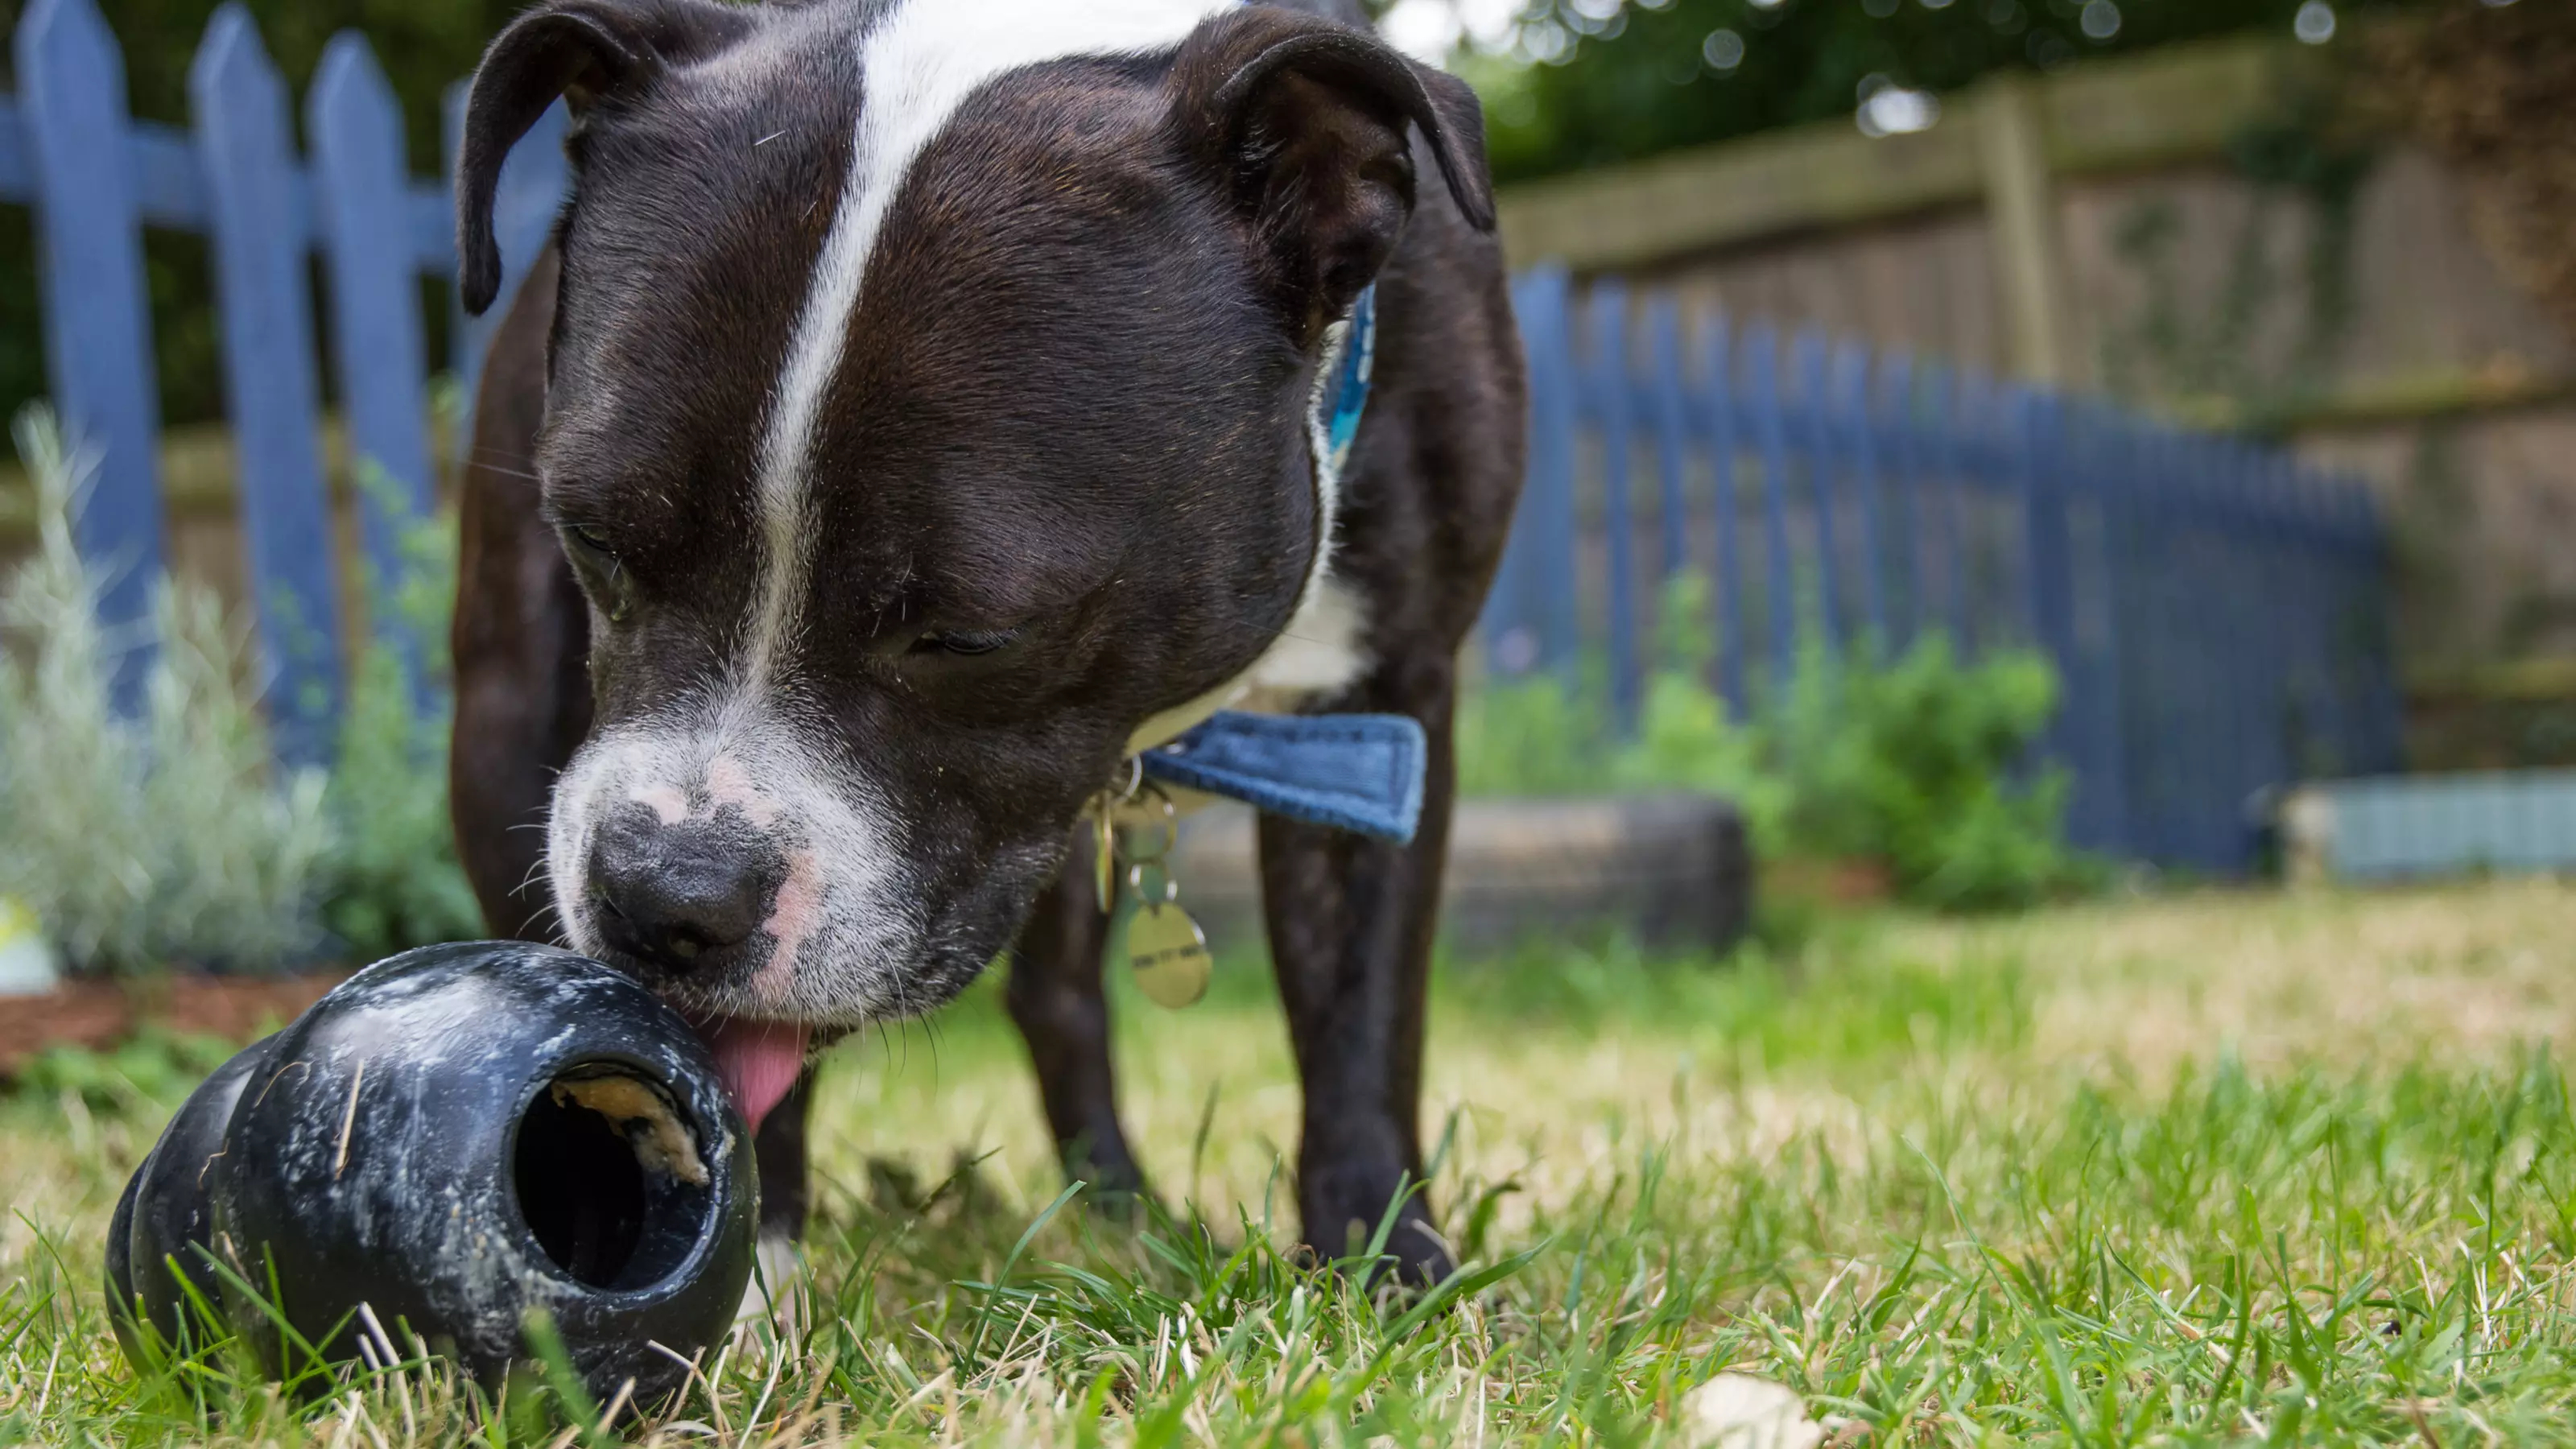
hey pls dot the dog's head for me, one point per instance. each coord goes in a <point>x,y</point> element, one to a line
<point>927,409</point>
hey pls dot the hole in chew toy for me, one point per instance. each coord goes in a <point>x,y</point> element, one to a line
<point>609,1179</point>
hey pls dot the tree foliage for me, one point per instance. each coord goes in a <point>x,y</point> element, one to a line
<point>1596,82</point>
<point>2488,85</point>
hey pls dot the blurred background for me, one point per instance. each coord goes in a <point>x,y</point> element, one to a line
<point>1983,452</point>
<point>2019,774</point>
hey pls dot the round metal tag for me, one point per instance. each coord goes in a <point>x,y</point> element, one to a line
<point>1169,954</point>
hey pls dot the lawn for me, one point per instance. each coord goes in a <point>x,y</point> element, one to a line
<point>2211,1168</point>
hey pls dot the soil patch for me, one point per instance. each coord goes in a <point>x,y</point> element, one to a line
<point>99,1014</point>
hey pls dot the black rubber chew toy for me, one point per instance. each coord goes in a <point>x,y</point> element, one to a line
<point>451,1138</point>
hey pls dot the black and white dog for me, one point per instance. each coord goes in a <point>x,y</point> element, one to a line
<point>914,407</point>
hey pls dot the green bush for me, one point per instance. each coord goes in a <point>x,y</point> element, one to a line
<point>153,1072</point>
<point>394,882</point>
<point>172,837</point>
<point>140,841</point>
<point>1919,762</point>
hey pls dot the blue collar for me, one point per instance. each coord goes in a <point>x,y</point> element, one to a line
<point>1357,772</point>
<point>1342,403</point>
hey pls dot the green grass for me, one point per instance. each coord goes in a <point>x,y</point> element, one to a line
<point>2222,1168</point>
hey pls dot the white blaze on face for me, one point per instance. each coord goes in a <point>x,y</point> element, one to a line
<point>917,66</point>
<point>844,923</point>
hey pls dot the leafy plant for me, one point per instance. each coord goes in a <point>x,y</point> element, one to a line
<point>394,882</point>
<point>1919,762</point>
<point>1685,741</point>
<point>139,841</point>
<point>1529,737</point>
<point>152,1072</point>
<point>1579,83</point>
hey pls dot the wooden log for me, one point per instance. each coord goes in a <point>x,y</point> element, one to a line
<point>1673,870</point>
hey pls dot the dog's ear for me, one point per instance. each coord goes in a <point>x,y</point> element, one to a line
<point>1306,123</point>
<point>583,51</point>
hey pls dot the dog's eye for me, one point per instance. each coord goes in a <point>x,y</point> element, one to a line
<point>601,570</point>
<point>964,641</point>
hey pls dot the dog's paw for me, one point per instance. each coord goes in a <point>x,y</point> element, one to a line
<point>1113,1185</point>
<point>775,1295</point>
<point>1343,1210</point>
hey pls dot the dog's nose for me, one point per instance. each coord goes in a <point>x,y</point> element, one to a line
<point>670,894</point>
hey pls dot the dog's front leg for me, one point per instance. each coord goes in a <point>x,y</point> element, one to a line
<point>785,1192</point>
<point>1351,925</point>
<point>1055,998</point>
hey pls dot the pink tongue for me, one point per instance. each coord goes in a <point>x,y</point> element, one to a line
<point>758,1060</point>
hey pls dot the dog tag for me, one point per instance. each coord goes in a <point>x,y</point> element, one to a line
<point>1168,953</point>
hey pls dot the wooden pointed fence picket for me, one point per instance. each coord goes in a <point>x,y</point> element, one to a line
<point>2217,613</point>
<point>95,178</point>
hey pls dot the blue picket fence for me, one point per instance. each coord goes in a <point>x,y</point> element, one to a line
<point>96,178</point>
<point>2216,611</point>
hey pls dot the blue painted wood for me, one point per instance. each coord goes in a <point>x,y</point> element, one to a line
<point>1815,440</point>
<point>1556,572</point>
<point>2183,705</point>
<point>1849,414</point>
<point>2049,592</point>
<point>2156,715</point>
<point>2323,745</point>
<point>2228,631</point>
<point>2276,612</point>
<point>1508,627</point>
<point>2131,539</point>
<point>1718,413</point>
<point>1614,404</point>
<point>2099,472</point>
<point>1992,447</point>
<point>169,188</point>
<point>1770,426</point>
<point>429,218</point>
<point>98,335</point>
<point>2237,516</point>
<point>1547,512</point>
<point>244,145</point>
<point>1503,607</point>
<point>1893,417</point>
<point>534,182</point>
<point>2205,620</point>
<point>17,159</point>
<point>376,338</point>
<point>1942,500</point>
<point>1668,392</point>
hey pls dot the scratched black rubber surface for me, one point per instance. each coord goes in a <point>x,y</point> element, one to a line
<point>398,1147</point>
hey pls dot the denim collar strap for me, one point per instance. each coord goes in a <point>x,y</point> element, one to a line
<point>1356,772</point>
